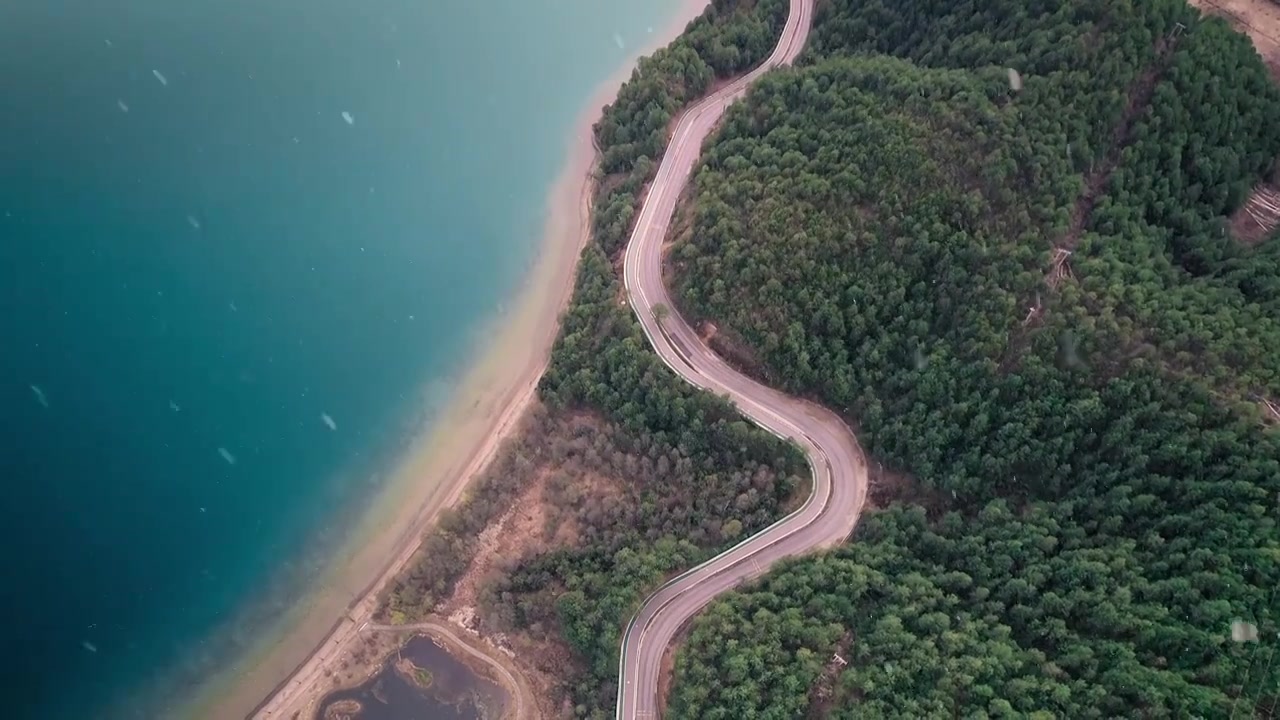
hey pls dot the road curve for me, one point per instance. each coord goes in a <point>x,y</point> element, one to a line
<point>839,469</point>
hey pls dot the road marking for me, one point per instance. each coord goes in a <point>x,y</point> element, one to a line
<point>651,226</point>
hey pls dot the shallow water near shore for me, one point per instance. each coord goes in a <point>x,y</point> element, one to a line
<point>244,251</point>
<point>433,686</point>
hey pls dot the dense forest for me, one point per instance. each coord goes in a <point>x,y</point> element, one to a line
<point>1024,296</point>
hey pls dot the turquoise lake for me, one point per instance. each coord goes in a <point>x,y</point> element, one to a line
<point>244,249</point>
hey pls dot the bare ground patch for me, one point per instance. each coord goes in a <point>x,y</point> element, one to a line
<point>543,517</point>
<point>822,696</point>
<point>737,352</point>
<point>543,663</point>
<point>1269,411</point>
<point>666,671</point>
<point>888,486</point>
<point>680,232</point>
<point>1258,217</point>
<point>523,530</point>
<point>610,183</point>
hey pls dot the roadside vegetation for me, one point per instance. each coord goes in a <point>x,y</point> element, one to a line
<point>627,507</point>
<point>1026,301</point>
<point>689,476</point>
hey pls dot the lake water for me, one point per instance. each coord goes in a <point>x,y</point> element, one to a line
<point>244,246</point>
<point>452,691</point>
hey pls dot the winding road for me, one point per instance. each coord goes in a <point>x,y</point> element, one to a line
<point>839,468</point>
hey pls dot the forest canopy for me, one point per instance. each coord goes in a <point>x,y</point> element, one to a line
<point>1027,303</point>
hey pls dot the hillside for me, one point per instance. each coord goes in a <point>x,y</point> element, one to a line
<point>1028,302</point>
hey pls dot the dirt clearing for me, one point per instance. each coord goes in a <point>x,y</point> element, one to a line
<point>544,517</point>
<point>1259,216</point>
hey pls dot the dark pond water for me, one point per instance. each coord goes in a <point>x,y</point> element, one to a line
<point>453,691</point>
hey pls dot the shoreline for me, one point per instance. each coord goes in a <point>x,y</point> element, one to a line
<point>486,407</point>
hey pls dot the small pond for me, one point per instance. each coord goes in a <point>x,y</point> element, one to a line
<point>421,682</point>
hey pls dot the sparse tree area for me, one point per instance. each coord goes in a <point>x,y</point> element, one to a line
<point>668,510</point>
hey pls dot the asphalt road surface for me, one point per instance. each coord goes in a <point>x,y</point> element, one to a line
<point>839,469</point>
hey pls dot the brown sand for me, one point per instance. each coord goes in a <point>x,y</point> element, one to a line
<point>485,408</point>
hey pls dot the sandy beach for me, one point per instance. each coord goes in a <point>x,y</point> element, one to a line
<point>295,671</point>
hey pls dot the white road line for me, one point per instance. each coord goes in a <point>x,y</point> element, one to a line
<point>640,658</point>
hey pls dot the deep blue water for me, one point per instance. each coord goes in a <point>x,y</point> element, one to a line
<point>200,257</point>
